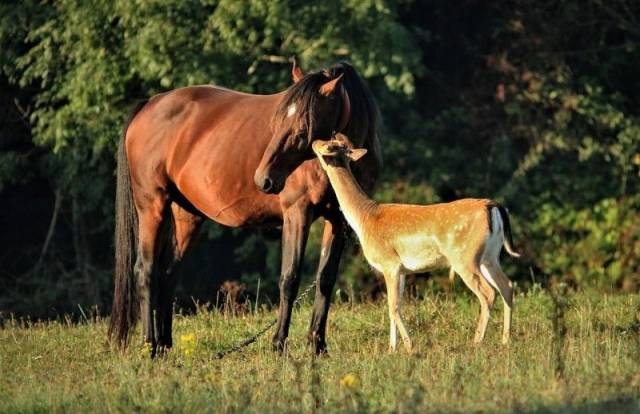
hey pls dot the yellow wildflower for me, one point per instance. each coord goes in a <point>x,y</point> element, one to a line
<point>145,351</point>
<point>349,381</point>
<point>188,343</point>
<point>188,338</point>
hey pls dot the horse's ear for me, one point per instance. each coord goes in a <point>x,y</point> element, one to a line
<point>328,88</point>
<point>356,153</point>
<point>296,72</point>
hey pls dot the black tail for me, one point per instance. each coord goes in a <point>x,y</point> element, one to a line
<point>506,229</point>
<point>124,311</point>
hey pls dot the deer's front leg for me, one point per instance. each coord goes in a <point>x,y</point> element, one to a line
<point>395,285</point>
<point>393,332</point>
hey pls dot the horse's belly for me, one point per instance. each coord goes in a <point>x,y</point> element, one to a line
<point>226,194</point>
<point>244,211</point>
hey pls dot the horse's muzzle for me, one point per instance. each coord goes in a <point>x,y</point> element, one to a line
<point>267,184</point>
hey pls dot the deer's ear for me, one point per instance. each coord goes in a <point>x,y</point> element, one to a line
<point>342,138</point>
<point>327,88</point>
<point>296,72</point>
<point>356,153</point>
<point>323,148</point>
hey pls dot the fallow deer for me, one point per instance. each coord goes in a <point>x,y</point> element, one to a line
<point>401,239</point>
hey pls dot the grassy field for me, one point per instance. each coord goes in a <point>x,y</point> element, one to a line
<point>595,367</point>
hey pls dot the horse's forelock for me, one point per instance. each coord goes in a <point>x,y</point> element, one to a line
<point>302,94</point>
<point>364,119</point>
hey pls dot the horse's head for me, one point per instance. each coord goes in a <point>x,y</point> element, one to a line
<point>315,107</point>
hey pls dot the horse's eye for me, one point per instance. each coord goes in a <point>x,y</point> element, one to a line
<point>300,141</point>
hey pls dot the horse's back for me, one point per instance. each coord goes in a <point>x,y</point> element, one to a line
<point>203,101</point>
<point>176,125</point>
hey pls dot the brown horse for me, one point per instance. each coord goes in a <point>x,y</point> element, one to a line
<point>206,152</point>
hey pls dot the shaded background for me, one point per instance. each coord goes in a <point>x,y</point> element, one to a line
<point>535,104</point>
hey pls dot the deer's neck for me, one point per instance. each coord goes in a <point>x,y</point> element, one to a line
<point>354,202</point>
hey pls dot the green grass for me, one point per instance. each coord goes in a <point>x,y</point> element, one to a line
<point>60,367</point>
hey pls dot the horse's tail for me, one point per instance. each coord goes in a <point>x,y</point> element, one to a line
<point>124,311</point>
<point>506,230</point>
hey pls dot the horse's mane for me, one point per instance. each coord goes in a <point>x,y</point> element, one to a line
<point>362,128</point>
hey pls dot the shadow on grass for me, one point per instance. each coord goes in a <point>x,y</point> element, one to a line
<point>615,405</point>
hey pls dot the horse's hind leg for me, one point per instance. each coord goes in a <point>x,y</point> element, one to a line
<point>150,219</point>
<point>181,230</point>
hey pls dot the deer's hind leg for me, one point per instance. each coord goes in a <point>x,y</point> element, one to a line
<point>485,294</point>
<point>491,270</point>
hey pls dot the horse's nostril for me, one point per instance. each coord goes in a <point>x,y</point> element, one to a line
<point>267,184</point>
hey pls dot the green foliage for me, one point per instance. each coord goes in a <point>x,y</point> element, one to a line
<point>92,59</point>
<point>595,246</point>
<point>10,164</point>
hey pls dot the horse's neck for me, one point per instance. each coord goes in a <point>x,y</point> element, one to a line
<point>375,151</point>
<point>367,169</point>
<point>354,203</point>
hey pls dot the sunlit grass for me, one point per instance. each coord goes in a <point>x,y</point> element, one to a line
<point>60,367</point>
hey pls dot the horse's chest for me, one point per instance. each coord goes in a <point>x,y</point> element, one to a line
<point>307,182</point>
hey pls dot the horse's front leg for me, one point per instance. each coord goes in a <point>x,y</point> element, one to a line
<point>297,220</point>
<point>333,240</point>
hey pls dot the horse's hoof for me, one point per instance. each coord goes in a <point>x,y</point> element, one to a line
<point>318,344</point>
<point>279,346</point>
<point>162,350</point>
<point>322,353</point>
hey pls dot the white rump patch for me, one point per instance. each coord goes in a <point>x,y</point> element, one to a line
<point>492,246</point>
<point>292,110</point>
<point>496,218</point>
<point>487,275</point>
